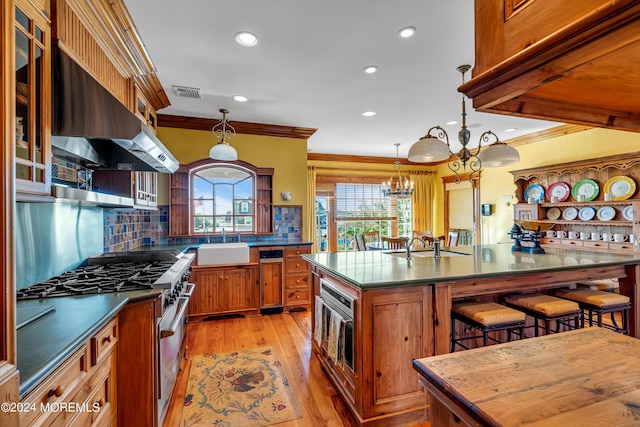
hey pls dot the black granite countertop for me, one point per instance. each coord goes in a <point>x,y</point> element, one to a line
<point>390,268</point>
<point>44,343</point>
<point>184,247</point>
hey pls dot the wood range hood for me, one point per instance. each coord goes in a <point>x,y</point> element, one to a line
<point>574,63</point>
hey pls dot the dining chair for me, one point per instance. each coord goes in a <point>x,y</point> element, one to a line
<point>371,236</point>
<point>360,242</point>
<point>452,238</point>
<point>394,242</point>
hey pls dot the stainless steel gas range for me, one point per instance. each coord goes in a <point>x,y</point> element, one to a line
<point>128,271</point>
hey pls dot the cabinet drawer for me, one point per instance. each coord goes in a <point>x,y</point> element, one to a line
<point>297,281</point>
<point>296,296</point>
<point>296,265</point>
<point>576,243</point>
<point>595,244</point>
<point>620,246</point>
<point>103,341</point>
<point>57,388</point>
<point>92,400</point>
<point>296,251</point>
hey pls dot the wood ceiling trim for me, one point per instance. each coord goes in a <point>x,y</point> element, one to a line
<point>542,135</point>
<point>248,128</point>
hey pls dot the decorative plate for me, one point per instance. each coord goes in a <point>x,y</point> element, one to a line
<point>560,190</point>
<point>535,191</point>
<point>588,187</point>
<point>570,213</point>
<point>627,213</point>
<point>587,213</point>
<point>606,213</point>
<point>554,213</point>
<point>622,187</point>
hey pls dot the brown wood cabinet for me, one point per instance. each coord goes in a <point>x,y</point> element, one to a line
<point>297,289</point>
<point>141,186</point>
<point>571,61</point>
<point>137,352</point>
<point>382,388</point>
<point>87,377</point>
<point>224,290</point>
<point>271,284</point>
<point>31,55</point>
<point>599,170</point>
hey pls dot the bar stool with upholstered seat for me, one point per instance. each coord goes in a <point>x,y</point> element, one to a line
<point>546,308</point>
<point>599,303</point>
<point>486,317</point>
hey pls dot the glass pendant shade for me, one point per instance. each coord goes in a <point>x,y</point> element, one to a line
<point>498,154</point>
<point>428,149</point>
<point>223,130</point>
<point>223,151</point>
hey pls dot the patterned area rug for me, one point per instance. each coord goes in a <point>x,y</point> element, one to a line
<point>240,388</point>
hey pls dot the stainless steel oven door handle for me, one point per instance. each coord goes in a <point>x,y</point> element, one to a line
<point>176,320</point>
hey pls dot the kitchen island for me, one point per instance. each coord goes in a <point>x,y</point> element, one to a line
<point>401,311</point>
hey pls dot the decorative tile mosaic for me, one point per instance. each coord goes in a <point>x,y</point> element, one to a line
<point>128,229</point>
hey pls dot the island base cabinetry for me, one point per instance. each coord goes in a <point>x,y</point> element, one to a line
<point>391,328</point>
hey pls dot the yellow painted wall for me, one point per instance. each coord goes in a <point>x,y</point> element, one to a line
<point>287,156</point>
<point>496,182</point>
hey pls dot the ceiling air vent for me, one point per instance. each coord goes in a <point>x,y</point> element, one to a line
<point>187,92</point>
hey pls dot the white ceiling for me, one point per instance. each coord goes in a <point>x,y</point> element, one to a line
<point>307,69</point>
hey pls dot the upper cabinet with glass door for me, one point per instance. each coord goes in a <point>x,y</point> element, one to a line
<point>32,108</point>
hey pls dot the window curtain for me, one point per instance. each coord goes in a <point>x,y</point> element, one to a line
<point>423,194</point>
<point>310,215</point>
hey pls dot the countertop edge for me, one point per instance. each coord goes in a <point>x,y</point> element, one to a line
<point>28,384</point>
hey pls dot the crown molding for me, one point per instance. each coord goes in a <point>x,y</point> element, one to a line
<point>554,132</point>
<point>248,128</point>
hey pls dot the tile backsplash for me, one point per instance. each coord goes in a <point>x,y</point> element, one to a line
<point>128,229</point>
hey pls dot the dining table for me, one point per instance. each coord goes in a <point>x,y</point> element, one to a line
<point>584,377</point>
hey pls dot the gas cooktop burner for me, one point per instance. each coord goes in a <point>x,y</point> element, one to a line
<point>100,278</point>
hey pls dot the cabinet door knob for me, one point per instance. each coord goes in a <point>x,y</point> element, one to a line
<point>57,392</point>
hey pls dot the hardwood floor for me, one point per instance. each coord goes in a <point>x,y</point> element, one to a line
<point>290,335</point>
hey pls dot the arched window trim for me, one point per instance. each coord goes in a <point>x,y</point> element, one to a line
<point>180,194</point>
<point>194,172</point>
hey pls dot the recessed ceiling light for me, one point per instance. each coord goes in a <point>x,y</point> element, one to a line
<point>511,130</point>
<point>246,39</point>
<point>406,32</point>
<point>370,69</point>
<point>240,98</point>
<point>369,113</point>
<point>452,122</point>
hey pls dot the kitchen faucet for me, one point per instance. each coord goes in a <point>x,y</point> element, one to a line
<point>436,248</point>
<point>224,236</point>
<point>207,235</point>
<point>410,242</point>
<point>239,239</point>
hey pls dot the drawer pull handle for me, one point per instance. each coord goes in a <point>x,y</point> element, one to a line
<point>57,392</point>
<point>297,265</point>
<point>108,338</point>
<point>100,402</point>
<point>297,280</point>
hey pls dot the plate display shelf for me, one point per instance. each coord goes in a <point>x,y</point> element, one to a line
<point>599,170</point>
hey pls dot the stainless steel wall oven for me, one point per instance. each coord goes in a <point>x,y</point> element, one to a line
<point>338,301</point>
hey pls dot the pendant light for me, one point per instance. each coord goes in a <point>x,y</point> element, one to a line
<point>434,147</point>
<point>397,186</point>
<point>223,130</point>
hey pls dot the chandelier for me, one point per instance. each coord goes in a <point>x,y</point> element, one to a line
<point>223,130</point>
<point>396,186</point>
<point>434,147</point>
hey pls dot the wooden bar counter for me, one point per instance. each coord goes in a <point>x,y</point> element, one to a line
<point>583,377</point>
<point>402,311</point>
